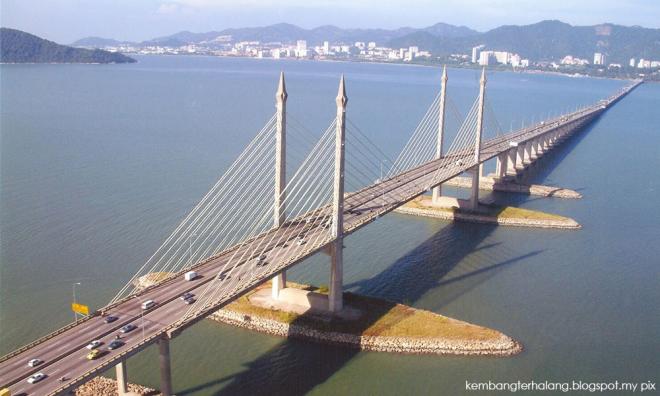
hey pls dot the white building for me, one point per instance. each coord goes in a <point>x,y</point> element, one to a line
<point>360,44</point>
<point>371,45</point>
<point>475,53</point>
<point>326,47</point>
<point>632,62</point>
<point>515,60</point>
<point>485,57</point>
<point>644,64</point>
<point>502,57</point>
<point>301,49</point>
<point>599,58</point>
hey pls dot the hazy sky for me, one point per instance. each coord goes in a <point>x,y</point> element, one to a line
<point>68,20</point>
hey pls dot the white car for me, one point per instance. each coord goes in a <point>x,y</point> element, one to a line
<point>34,362</point>
<point>301,241</point>
<point>94,344</point>
<point>36,378</point>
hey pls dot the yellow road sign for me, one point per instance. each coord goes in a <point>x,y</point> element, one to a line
<point>79,308</point>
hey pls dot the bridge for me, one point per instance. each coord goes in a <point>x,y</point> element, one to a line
<point>254,224</point>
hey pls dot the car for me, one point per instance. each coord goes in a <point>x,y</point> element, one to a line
<point>114,344</point>
<point>94,354</point>
<point>36,378</point>
<point>459,163</point>
<point>223,276</point>
<point>34,362</point>
<point>186,296</point>
<point>110,319</point>
<point>301,241</point>
<point>189,300</point>
<point>128,328</point>
<point>94,344</point>
<point>148,304</point>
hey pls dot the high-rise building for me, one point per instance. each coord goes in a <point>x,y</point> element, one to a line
<point>371,45</point>
<point>475,53</point>
<point>301,48</point>
<point>485,57</point>
<point>632,62</point>
<point>599,58</point>
<point>326,47</point>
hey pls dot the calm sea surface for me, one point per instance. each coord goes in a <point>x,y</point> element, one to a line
<point>99,164</point>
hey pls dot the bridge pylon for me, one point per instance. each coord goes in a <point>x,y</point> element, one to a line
<point>279,281</point>
<point>335,298</point>
<point>437,190</point>
<point>476,171</point>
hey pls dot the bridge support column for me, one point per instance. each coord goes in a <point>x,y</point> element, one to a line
<point>533,150</point>
<point>474,199</point>
<point>476,171</point>
<point>527,153</point>
<point>511,161</point>
<point>501,165</point>
<point>437,190</point>
<point>279,281</point>
<point>165,367</point>
<point>335,298</point>
<point>122,378</point>
<point>520,156</point>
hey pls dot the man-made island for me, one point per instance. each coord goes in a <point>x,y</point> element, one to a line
<point>20,47</point>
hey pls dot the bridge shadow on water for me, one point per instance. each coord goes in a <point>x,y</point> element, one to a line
<point>296,367</point>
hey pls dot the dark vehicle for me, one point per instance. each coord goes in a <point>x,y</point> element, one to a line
<point>189,300</point>
<point>110,319</point>
<point>115,344</point>
<point>128,328</point>
<point>186,296</point>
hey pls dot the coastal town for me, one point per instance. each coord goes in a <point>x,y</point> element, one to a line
<point>371,51</point>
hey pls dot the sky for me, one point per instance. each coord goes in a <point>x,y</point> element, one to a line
<point>65,21</point>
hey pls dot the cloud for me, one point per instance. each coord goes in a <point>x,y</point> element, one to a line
<point>168,8</point>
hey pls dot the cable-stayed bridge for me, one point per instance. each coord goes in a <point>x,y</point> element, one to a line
<point>256,222</point>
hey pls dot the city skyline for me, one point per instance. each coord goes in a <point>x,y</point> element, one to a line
<point>68,20</point>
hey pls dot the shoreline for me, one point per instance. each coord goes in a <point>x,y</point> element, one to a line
<point>381,62</point>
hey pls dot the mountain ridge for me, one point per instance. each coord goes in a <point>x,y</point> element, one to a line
<point>17,46</point>
<point>544,40</point>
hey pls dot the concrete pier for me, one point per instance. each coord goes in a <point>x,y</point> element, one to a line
<point>337,249</point>
<point>437,190</point>
<point>122,378</point>
<point>477,170</point>
<point>279,281</point>
<point>165,367</point>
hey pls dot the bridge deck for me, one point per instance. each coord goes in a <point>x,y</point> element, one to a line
<point>64,354</point>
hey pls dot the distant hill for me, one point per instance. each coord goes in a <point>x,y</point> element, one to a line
<point>97,42</point>
<point>288,33</point>
<point>550,40</point>
<point>20,47</point>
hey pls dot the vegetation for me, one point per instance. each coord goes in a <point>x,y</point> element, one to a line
<point>21,47</point>
<point>549,40</point>
<point>378,318</point>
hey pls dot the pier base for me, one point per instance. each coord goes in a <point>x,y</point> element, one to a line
<point>508,185</point>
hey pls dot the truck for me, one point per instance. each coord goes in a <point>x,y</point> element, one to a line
<point>190,275</point>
